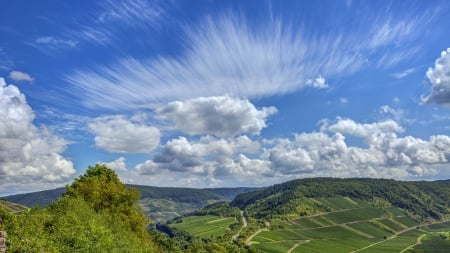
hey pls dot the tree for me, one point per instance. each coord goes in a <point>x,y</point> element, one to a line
<point>102,189</point>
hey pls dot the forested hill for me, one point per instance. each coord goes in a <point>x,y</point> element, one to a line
<point>199,196</point>
<point>421,198</point>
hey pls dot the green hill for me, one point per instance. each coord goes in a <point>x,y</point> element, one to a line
<point>159,203</point>
<point>422,199</point>
<point>329,215</point>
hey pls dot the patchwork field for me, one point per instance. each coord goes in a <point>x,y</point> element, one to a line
<point>352,227</point>
<point>349,226</point>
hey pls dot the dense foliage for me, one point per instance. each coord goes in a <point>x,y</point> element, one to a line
<point>97,213</point>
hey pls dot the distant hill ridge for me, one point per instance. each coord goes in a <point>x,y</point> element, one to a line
<point>193,195</point>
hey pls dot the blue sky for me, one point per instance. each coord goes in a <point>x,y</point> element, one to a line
<point>223,93</point>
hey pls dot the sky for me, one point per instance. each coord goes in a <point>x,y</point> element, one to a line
<point>223,93</point>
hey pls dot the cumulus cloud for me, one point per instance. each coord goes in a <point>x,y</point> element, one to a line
<point>319,82</point>
<point>221,116</point>
<point>20,76</point>
<point>119,134</point>
<point>118,164</point>
<point>28,155</point>
<point>385,154</point>
<point>341,148</point>
<point>200,156</point>
<point>439,77</point>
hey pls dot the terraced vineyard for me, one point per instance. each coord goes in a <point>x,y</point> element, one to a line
<point>12,207</point>
<point>352,227</point>
<point>205,226</point>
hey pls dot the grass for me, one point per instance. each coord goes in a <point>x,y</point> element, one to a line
<point>280,235</point>
<point>282,246</point>
<point>432,244</point>
<point>328,233</point>
<point>358,214</point>
<point>370,229</point>
<point>333,245</point>
<point>390,246</point>
<point>407,221</point>
<point>205,226</point>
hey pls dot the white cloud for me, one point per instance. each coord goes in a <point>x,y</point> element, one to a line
<point>343,100</point>
<point>20,76</point>
<point>396,113</point>
<point>400,75</point>
<point>29,156</point>
<point>53,42</point>
<point>221,116</point>
<point>132,12</point>
<point>127,14</point>
<point>386,154</point>
<point>319,82</point>
<point>330,152</point>
<point>439,77</point>
<point>118,134</point>
<point>224,55</point>
<point>227,54</point>
<point>183,155</point>
<point>366,131</point>
<point>118,164</point>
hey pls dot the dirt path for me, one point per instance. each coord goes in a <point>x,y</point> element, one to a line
<point>247,242</point>
<point>419,241</point>
<point>244,225</point>
<point>296,245</point>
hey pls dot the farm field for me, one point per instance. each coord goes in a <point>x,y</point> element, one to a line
<point>12,207</point>
<point>205,226</point>
<point>352,227</point>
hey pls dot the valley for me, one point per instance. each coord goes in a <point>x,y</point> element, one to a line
<point>305,215</point>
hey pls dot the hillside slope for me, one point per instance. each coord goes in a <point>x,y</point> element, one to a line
<point>423,199</point>
<point>11,206</point>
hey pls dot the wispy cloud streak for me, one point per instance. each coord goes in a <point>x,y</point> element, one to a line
<point>228,55</point>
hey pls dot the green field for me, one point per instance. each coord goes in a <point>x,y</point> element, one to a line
<point>352,226</point>
<point>337,245</point>
<point>205,226</point>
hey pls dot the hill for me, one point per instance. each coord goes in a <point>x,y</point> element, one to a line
<point>422,199</point>
<point>40,198</point>
<point>159,203</point>
<point>330,215</point>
